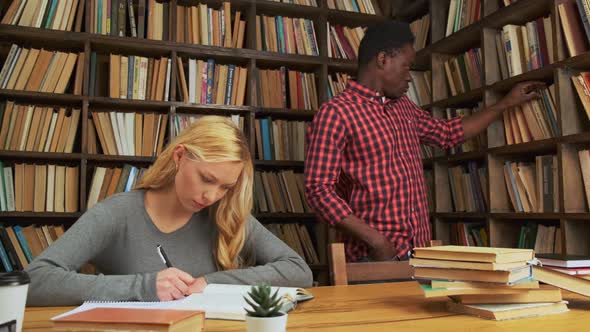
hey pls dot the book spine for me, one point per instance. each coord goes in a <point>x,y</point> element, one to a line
<point>131,18</point>
<point>23,243</point>
<point>230,84</point>
<point>210,80</point>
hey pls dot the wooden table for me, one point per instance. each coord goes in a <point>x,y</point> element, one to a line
<point>379,307</point>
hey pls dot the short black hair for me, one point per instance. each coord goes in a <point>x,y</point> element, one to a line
<point>388,36</point>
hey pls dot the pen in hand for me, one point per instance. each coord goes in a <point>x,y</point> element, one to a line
<point>163,256</point>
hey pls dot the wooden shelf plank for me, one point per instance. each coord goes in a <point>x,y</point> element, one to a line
<point>267,218</point>
<point>278,163</point>
<point>548,146</point>
<point>212,109</point>
<point>582,138</point>
<point>28,155</point>
<point>542,74</point>
<point>460,215</point>
<point>41,97</point>
<point>467,156</point>
<point>130,103</point>
<point>530,215</point>
<point>120,159</point>
<point>519,12</point>
<point>301,114</point>
<point>471,97</point>
<point>342,65</point>
<point>45,215</point>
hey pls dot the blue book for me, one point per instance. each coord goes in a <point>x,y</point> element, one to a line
<point>130,67</point>
<point>584,18</point>
<point>23,242</point>
<point>355,6</point>
<point>51,14</point>
<point>545,100</point>
<point>210,80</point>
<point>265,135</point>
<point>4,258</point>
<point>280,34</point>
<point>99,17</point>
<point>3,195</point>
<point>230,84</point>
<point>130,179</point>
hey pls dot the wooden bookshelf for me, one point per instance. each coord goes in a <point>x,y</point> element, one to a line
<point>248,56</point>
<point>501,222</point>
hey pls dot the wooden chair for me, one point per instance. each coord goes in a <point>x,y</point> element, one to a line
<point>341,273</point>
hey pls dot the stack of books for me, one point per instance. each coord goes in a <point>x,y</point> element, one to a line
<point>493,283</point>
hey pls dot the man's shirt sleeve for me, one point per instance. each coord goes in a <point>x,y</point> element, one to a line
<point>326,140</point>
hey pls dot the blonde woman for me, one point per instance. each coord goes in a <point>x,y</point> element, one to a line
<point>195,202</point>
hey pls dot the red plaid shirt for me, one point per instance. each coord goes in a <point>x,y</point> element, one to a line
<point>364,158</point>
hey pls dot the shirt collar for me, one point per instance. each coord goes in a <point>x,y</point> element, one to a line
<point>361,90</point>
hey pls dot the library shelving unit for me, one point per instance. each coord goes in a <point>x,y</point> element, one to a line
<point>98,100</point>
<point>499,219</point>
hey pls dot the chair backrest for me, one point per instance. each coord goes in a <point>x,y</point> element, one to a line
<point>341,273</point>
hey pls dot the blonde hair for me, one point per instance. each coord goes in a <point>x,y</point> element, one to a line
<point>214,139</point>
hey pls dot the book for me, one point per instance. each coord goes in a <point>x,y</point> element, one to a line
<point>545,294</point>
<point>529,284</point>
<point>430,291</point>
<point>507,277</point>
<point>571,283</point>
<point>508,311</point>
<point>126,319</point>
<point>567,261</point>
<point>475,254</point>
<point>487,266</point>
<point>219,301</point>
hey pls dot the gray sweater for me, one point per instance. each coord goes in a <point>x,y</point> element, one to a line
<point>119,238</point>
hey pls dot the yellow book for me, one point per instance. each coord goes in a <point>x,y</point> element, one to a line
<point>475,254</point>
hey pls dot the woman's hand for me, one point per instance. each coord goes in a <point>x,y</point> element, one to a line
<point>173,284</point>
<point>198,285</point>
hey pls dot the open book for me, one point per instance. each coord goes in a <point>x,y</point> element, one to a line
<point>219,301</point>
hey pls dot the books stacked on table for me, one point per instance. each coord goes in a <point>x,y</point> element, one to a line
<point>493,283</point>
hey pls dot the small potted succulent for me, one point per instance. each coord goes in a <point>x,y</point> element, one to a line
<point>265,314</point>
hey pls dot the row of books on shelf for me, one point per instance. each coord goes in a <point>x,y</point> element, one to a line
<point>32,69</point>
<point>543,239</point>
<point>468,187</point>
<point>462,13</point>
<point>37,128</point>
<point>296,236</point>
<point>135,77</point>
<point>207,26</point>
<point>420,89</point>
<point>280,139</point>
<point>39,188</point>
<point>283,88</point>
<point>337,83</point>
<point>119,18</point>
<point>476,143</point>
<point>574,17</point>
<point>130,134</point>
<point>20,245</point>
<point>533,187</point>
<point>533,120</point>
<point>207,82</point>
<point>523,48</point>
<point>421,30</point>
<point>469,234</point>
<point>282,191</point>
<point>107,181</point>
<point>286,35</point>
<point>56,15</point>
<point>464,72</point>
<point>344,42</point>
<point>312,3</point>
<point>357,6</point>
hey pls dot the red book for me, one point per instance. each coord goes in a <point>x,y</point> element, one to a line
<point>127,319</point>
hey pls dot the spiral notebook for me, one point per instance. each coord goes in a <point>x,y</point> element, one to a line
<point>219,301</point>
